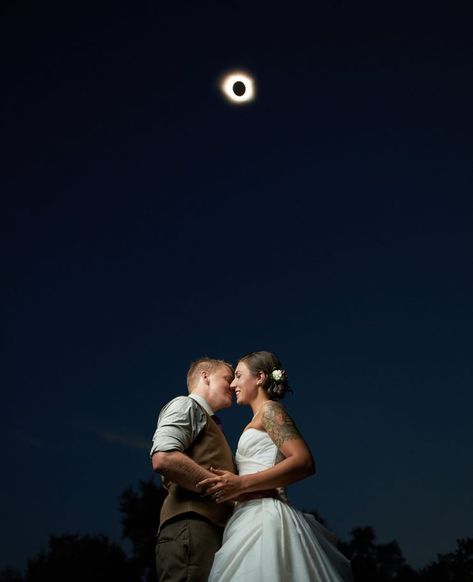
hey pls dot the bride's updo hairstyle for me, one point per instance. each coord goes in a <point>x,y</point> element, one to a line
<point>275,383</point>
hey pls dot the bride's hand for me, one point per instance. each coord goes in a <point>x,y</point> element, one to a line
<point>223,487</point>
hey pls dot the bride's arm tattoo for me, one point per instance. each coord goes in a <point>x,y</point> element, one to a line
<point>278,424</point>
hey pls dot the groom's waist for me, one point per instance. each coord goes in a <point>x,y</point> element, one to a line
<point>180,501</point>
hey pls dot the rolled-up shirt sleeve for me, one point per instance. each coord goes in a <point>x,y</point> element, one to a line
<point>179,424</point>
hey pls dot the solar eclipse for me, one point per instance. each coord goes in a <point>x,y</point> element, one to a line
<point>238,87</point>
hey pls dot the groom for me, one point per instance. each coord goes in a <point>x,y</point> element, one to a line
<point>187,442</point>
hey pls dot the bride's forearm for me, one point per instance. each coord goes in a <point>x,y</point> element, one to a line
<point>225,486</point>
<point>284,473</point>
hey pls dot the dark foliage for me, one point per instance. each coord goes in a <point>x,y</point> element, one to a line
<point>73,558</point>
<point>78,558</point>
<point>373,562</point>
<point>456,566</point>
<point>10,575</point>
<point>140,519</point>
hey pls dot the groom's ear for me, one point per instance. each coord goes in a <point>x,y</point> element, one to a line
<point>205,376</point>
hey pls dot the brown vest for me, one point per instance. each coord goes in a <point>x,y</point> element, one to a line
<point>210,449</point>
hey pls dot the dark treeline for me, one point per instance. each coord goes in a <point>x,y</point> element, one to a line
<point>74,558</point>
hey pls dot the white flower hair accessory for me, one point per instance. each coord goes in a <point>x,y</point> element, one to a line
<point>278,375</point>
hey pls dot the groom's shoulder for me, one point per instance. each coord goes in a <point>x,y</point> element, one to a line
<point>180,400</point>
<point>181,404</point>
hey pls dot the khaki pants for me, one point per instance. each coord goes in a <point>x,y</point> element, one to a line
<point>186,548</point>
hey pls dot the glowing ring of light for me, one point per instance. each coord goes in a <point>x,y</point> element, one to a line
<point>227,82</point>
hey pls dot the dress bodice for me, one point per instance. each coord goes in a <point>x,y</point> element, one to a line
<point>256,452</point>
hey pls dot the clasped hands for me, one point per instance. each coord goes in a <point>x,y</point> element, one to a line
<point>227,486</point>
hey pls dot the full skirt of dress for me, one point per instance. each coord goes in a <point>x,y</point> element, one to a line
<point>267,540</point>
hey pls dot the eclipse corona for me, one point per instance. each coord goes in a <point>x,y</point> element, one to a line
<point>238,87</point>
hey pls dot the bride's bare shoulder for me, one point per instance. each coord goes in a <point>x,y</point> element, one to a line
<point>278,423</point>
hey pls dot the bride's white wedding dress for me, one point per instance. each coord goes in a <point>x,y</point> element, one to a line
<point>267,539</point>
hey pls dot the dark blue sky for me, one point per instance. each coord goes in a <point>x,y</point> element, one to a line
<point>147,222</point>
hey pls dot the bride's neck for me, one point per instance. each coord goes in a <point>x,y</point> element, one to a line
<point>257,404</point>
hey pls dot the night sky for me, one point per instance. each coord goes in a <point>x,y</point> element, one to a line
<point>147,222</point>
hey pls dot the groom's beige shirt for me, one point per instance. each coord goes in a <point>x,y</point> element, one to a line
<point>186,425</point>
<point>180,423</point>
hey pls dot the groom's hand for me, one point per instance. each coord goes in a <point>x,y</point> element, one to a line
<point>225,486</point>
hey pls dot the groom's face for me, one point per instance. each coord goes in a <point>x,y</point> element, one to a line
<point>220,391</point>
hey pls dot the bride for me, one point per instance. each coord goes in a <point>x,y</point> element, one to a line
<point>266,539</point>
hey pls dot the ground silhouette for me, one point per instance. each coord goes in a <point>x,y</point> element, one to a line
<point>75,558</point>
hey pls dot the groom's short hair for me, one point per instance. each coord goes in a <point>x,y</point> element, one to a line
<point>205,364</point>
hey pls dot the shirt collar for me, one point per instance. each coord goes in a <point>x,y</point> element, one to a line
<point>205,405</point>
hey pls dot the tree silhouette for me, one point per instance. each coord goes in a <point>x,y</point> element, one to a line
<point>140,520</point>
<point>74,558</point>
<point>10,575</point>
<point>373,562</point>
<point>456,566</point>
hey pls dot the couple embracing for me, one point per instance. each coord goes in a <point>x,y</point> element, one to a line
<point>227,519</point>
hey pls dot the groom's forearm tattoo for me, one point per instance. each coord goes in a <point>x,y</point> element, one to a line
<point>278,424</point>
